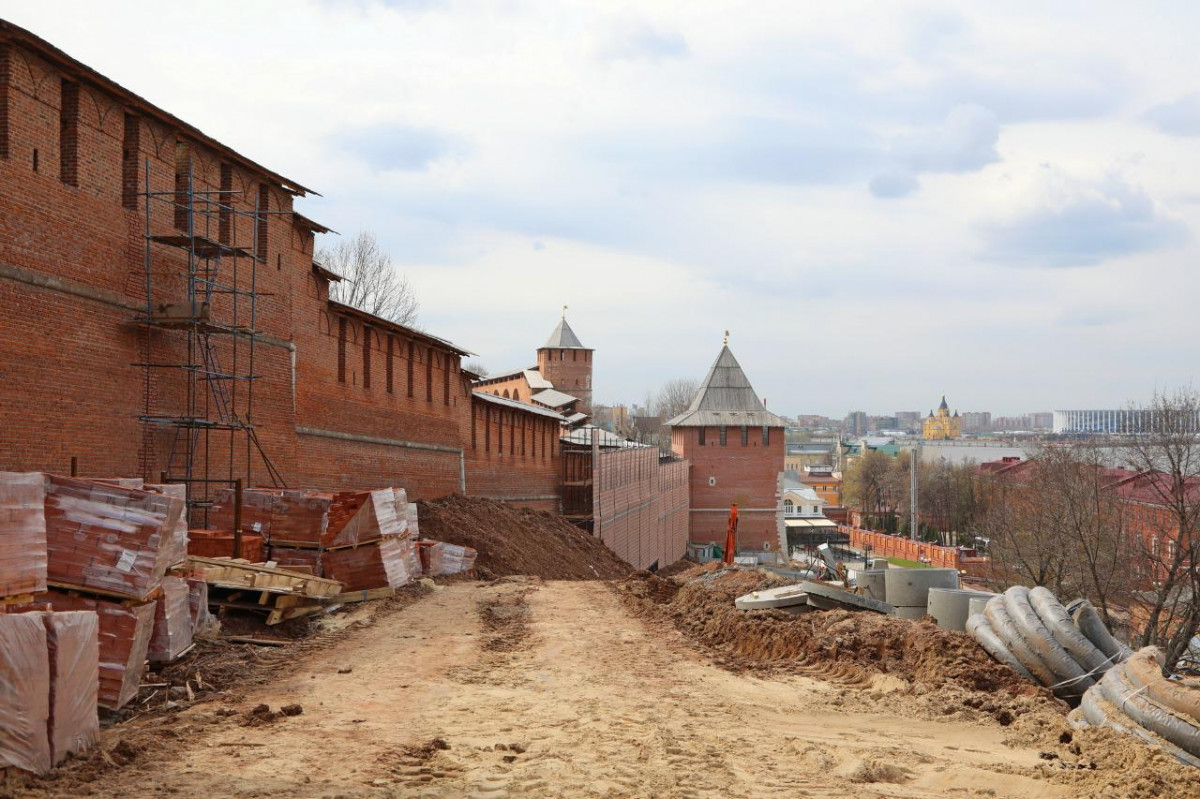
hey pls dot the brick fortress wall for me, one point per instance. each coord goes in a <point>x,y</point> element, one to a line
<point>341,400</point>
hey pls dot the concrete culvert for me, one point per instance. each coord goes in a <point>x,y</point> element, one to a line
<point>951,607</point>
<point>908,589</point>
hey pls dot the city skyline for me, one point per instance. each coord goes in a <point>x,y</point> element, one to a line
<point>912,199</point>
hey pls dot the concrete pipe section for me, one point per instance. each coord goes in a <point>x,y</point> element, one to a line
<point>908,589</point>
<point>872,584</point>
<point>951,607</point>
<point>783,597</point>
<point>978,602</point>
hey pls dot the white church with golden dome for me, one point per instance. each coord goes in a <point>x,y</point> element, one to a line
<point>943,425</point>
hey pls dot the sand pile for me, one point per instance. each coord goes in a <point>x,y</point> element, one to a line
<point>700,603</point>
<point>513,540</point>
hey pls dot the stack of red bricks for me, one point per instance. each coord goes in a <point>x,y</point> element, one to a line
<point>373,547</point>
<point>173,621</point>
<point>219,544</point>
<point>22,533</point>
<point>360,538</point>
<point>108,551</point>
<point>439,558</point>
<point>109,539</point>
<point>48,685</point>
<point>48,661</point>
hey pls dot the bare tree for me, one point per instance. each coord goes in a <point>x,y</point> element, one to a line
<point>672,399</point>
<point>372,282</point>
<point>1061,525</point>
<point>476,367</point>
<point>1165,497</point>
<point>871,485</point>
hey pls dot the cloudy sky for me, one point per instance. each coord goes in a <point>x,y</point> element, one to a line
<point>881,201</point>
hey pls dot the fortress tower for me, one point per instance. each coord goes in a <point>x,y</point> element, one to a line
<point>565,362</point>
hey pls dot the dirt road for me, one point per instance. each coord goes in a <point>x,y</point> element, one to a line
<point>523,688</point>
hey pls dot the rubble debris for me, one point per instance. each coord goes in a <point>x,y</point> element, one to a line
<point>511,540</point>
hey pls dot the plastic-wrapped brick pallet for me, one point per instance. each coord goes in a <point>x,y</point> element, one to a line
<point>108,538</point>
<point>24,693</point>
<point>173,624</point>
<point>388,562</point>
<point>257,507</point>
<point>203,622</point>
<point>124,639</point>
<point>176,550</point>
<point>22,533</point>
<point>73,645</point>
<point>414,529</point>
<point>292,557</point>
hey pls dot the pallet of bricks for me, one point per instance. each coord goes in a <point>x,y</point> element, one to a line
<point>85,562</point>
<point>359,538</point>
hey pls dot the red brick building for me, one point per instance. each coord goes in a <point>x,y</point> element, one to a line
<point>736,449</point>
<point>163,313</point>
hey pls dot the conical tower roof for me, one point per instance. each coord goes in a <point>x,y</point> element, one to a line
<point>726,398</point>
<point>943,406</point>
<point>563,338</point>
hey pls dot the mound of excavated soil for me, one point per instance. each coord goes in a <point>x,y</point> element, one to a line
<point>513,540</point>
<point>700,604</point>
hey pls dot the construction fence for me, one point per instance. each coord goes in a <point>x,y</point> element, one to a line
<point>640,505</point>
<point>890,546</point>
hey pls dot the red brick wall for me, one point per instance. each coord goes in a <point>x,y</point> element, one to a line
<point>571,373</point>
<point>640,506</point>
<point>72,281</point>
<point>513,456</point>
<point>723,475</point>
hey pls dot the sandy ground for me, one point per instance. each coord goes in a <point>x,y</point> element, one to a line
<point>524,688</point>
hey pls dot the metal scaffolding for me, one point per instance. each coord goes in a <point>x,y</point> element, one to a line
<point>219,304</point>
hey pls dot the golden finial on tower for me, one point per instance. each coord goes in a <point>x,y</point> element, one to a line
<point>726,341</point>
<point>564,313</point>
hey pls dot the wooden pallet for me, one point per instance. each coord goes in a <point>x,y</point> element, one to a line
<point>108,596</point>
<point>17,599</point>
<point>239,574</point>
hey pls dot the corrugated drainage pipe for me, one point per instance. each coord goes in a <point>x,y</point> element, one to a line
<point>1072,679</point>
<point>981,631</point>
<point>1089,623</point>
<point>1117,689</point>
<point>1010,636</point>
<point>1144,671</point>
<point>1068,636</point>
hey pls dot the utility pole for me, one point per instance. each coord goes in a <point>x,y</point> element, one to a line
<point>915,454</point>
